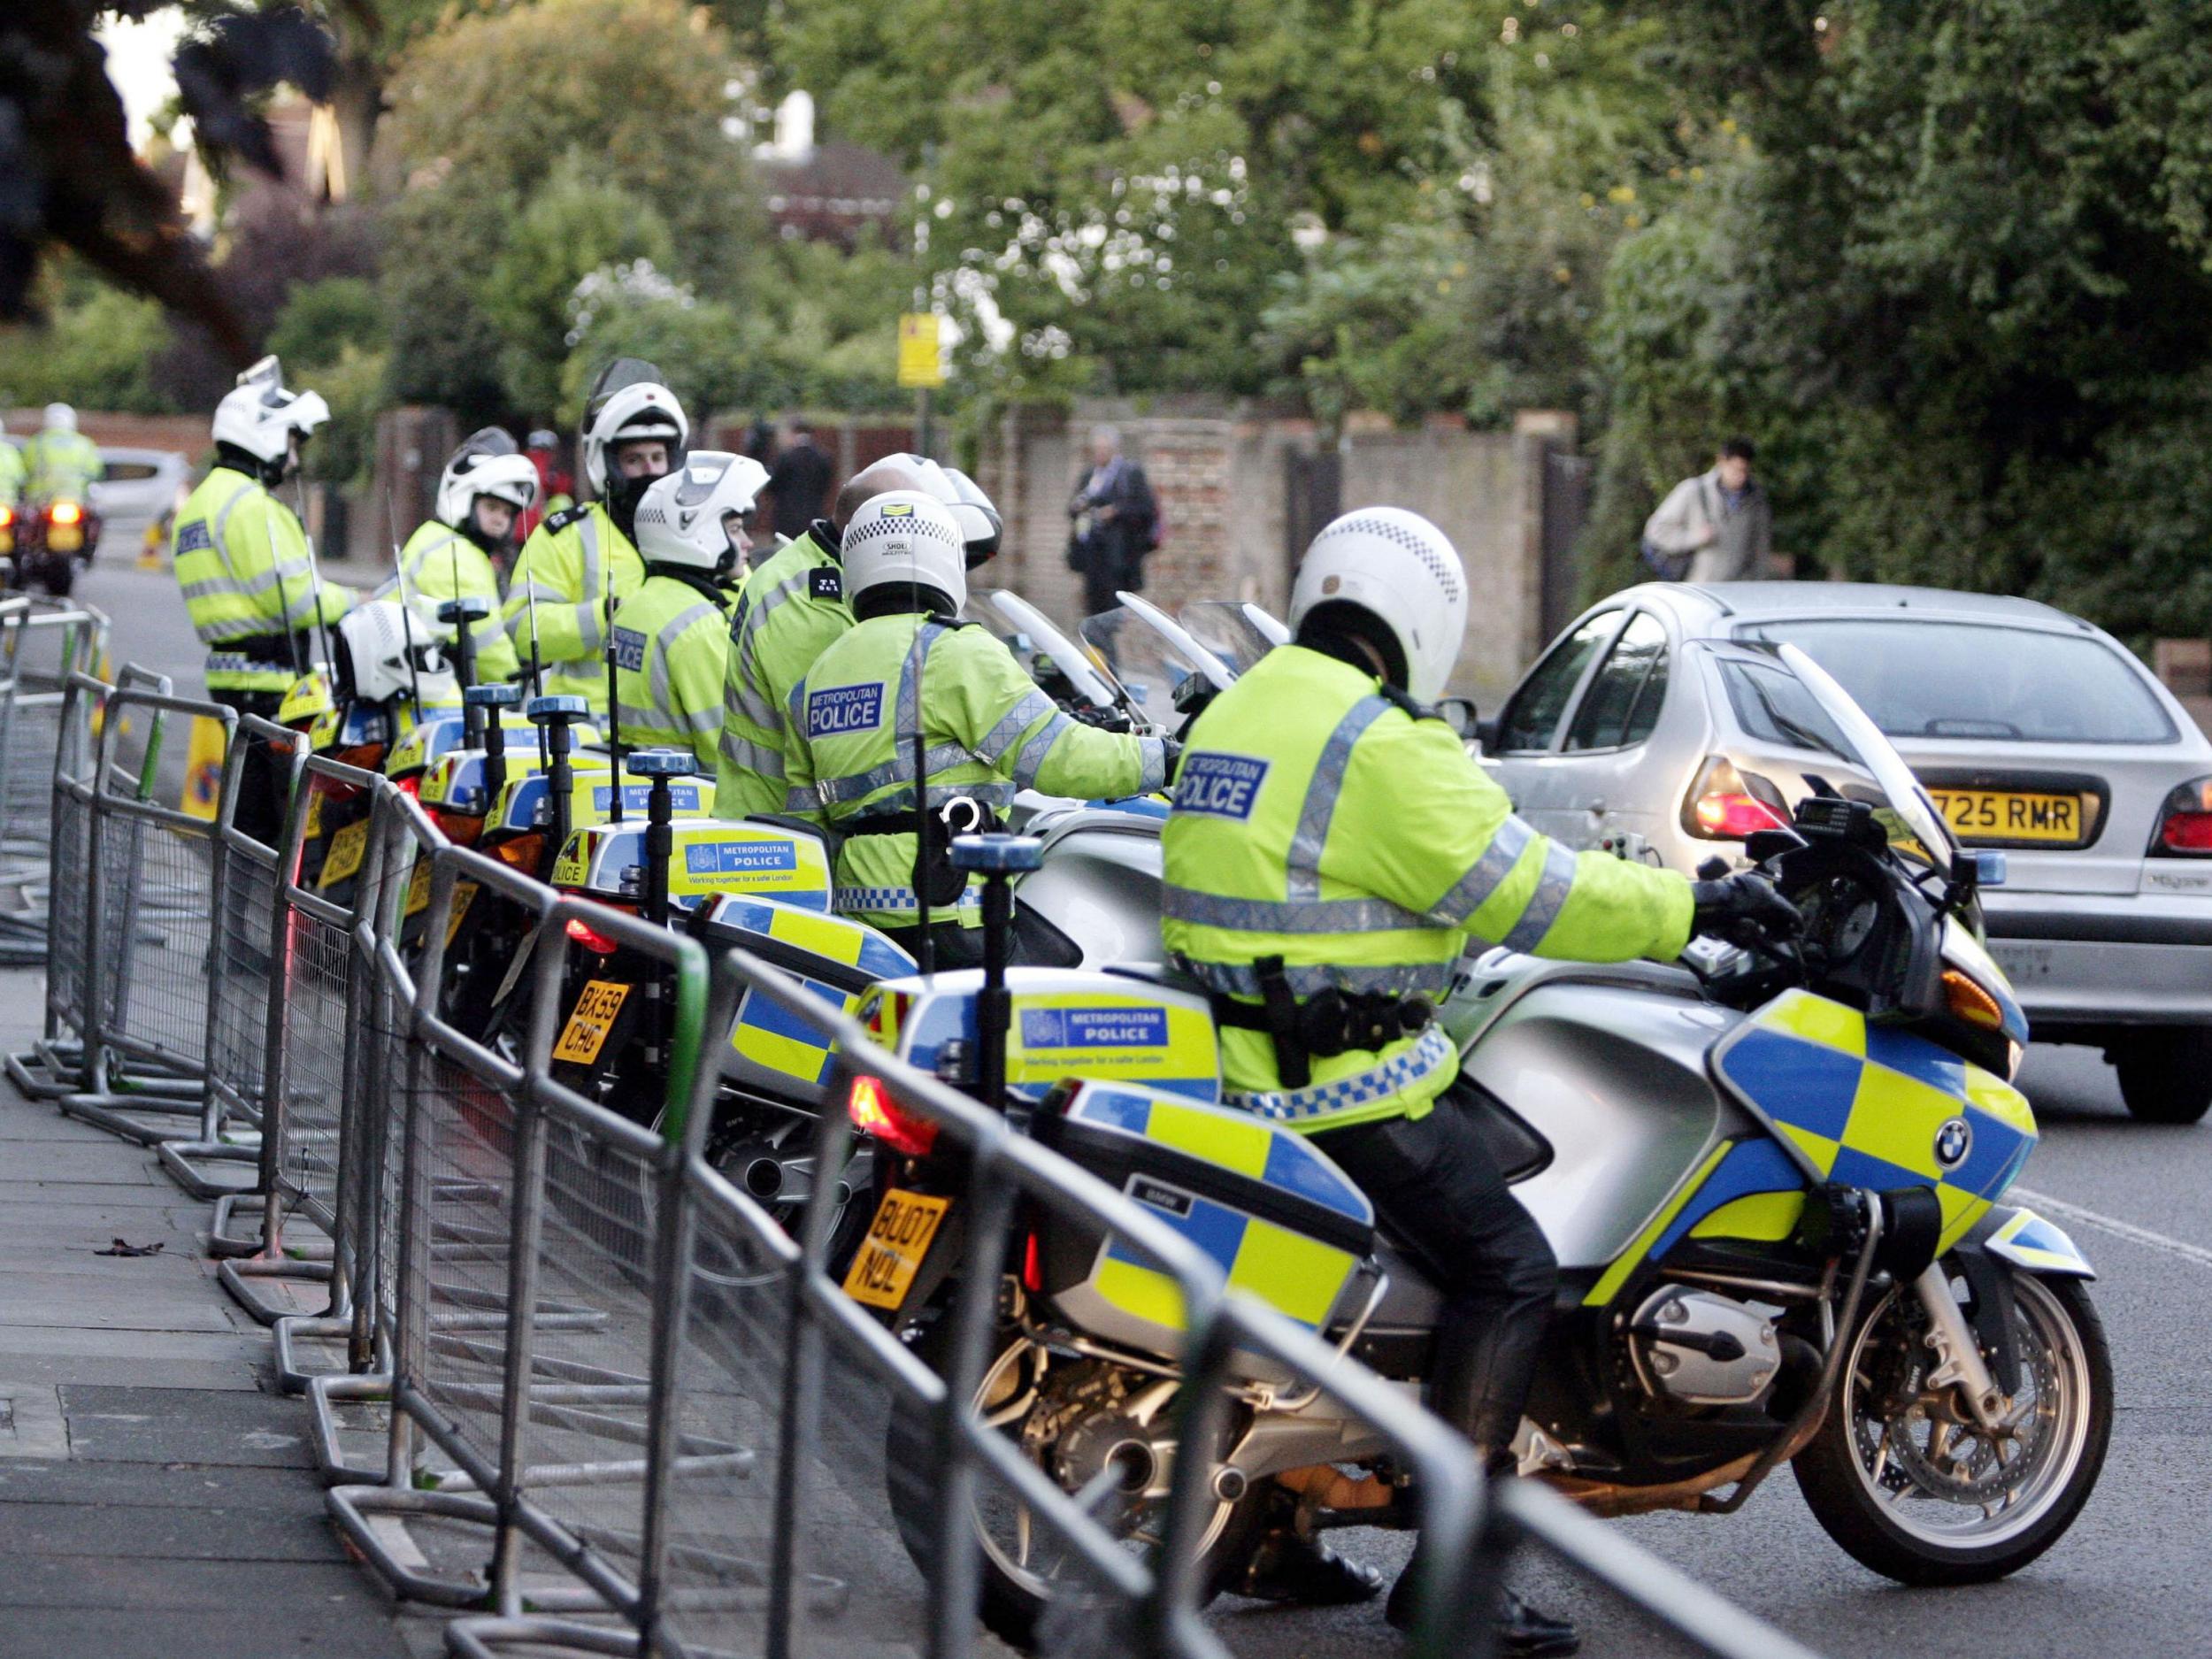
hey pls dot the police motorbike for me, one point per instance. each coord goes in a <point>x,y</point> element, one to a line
<point>763,885</point>
<point>54,538</point>
<point>1774,1175</point>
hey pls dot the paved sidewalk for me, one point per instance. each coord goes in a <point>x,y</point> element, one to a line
<point>157,1497</point>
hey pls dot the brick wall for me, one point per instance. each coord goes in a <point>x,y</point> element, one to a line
<point>186,434</point>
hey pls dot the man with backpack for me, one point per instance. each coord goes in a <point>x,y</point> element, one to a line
<point>1117,522</point>
<point>1716,527</point>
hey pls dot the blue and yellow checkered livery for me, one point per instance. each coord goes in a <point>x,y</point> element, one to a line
<point>834,957</point>
<point>706,856</point>
<point>1070,1023</point>
<point>1870,1106</point>
<point>1283,1223</point>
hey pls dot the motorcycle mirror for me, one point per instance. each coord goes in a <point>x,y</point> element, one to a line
<point>1762,845</point>
<point>1459,714</point>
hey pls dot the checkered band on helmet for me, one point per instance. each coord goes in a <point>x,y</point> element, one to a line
<point>937,526</point>
<point>1394,529</point>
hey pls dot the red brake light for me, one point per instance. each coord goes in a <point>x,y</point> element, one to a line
<point>1726,805</point>
<point>590,937</point>
<point>1033,1268</point>
<point>67,512</point>
<point>873,1113</point>
<point>2186,824</point>
<point>411,786</point>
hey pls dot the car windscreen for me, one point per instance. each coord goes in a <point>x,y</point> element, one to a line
<point>1981,681</point>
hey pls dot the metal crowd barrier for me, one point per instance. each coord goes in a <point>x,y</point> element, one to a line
<point>150,913</point>
<point>54,1065</point>
<point>243,909</point>
<point>42,643</point>
<point>610,1405</point>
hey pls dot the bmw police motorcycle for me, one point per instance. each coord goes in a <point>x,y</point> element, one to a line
<point>1773,1174</point>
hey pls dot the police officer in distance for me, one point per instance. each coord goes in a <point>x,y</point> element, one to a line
<point>1330,850</point>
<point>581,561</point>
<point>486,485</point>
<point>793,606</point>
<point>907,667</point>
<point>249,582</point>
<point>671,636</point>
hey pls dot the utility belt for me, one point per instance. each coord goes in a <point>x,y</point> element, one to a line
<point>936,882</point>
<point>1325,1025</point>
<point>268,650</point>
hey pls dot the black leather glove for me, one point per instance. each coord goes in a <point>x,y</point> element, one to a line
<point>1743,908</point>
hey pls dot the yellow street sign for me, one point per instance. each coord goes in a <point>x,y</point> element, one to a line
<point>918,362</point>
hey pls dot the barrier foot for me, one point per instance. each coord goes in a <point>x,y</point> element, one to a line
<point>236,1274</point>
<point>357,1509</point>
<point>40,1074</point>
<point>483,1638</point>
<point>221,1241</point>
<point>121,1115</point>
<point>325,1395</point>
<point>285,1337</point>
<point>175,1157</point>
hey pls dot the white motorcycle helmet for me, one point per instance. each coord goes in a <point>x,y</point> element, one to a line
<point>60,418</point>
<point>260,417</point>
<point>907,539</point>
<point>1402,571</point>
<point>628,402</point>
<point>385,650</point>
<point>970,508</point>
<point>488,463</point>
<point>680,517</point>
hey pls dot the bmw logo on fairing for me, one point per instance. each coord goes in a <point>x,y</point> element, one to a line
<point>1953,1142</point>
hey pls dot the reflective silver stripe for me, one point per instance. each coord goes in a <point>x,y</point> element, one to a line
<point>1011,725</point>
<point>1241,978</point>
<point>992,794</point>
<point>1544,904</point>
<point>213,586</point>
<point>909,719</point>
<point>413,567</point>
<point>1288,915</point>
<point>636,720</point>
<point>899,770</point>
<point>588,621</point>
<point>1030,761</point>
<point>657,681</point>
<point>1472,890</point>
<point>702,722</point>
<point>756,611</point>
<point>1152,773</point>
<point>222,525</point>
<point>747,756</point>
<point>751,704</point>
<point>1322,790</point>
<point>1350,1094</point>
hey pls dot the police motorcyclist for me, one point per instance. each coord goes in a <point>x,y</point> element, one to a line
<point>248,576</point>
<point>671,636</point>
<point>486,485</point>
<point>1330,850</point>
<point>580,562</point>
<point>795,605</point>
<point>906,667</point>
<point>61,461</point>
<point>10,469</point>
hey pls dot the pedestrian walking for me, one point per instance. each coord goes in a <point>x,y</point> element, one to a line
<point>1716,527</point>
<point>1116,521</point>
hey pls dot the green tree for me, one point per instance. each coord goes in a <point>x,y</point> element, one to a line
<point>96,349</point>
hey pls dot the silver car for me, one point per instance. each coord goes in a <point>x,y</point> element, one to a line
<point>139,488</point>
<point>1657,723</point>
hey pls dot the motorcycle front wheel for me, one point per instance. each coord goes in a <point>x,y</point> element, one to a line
<point>1049,1405</point>
<point>1911,1487</point>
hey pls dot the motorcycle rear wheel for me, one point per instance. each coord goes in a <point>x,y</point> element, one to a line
<point>1018,1590</point>
<point>1928,1502</point>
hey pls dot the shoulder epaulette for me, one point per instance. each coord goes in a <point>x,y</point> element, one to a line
<point>559,521</point>
<point>1403,699</point>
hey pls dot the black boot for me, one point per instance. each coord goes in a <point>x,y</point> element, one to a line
<point>1522,1631</point>
<point>1286,1566</point>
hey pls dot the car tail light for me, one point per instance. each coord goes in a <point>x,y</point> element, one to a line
<point>7,515</point>
<point>590,937</point>
<point>2185,824</point>
<point>1726,805</point>
<point>875,1114</point>
<point>522,852</point>
<point>67,512</point>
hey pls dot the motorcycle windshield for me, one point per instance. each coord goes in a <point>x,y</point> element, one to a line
<point>1907,799</point>
<point>1030,634</point>
<point>1238,633</point>
<point>1152,654</point>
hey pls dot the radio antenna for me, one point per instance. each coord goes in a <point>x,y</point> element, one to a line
<point>406,605</point>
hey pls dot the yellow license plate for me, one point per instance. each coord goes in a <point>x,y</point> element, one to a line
<point>348,846</point>
<point>2013,815</point>
<point>315,798</point>
<point>590,1021</point>
<point>892,1253</point>
<point>463,893</point>
<point>418,890</point>
<point>63,539</point>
